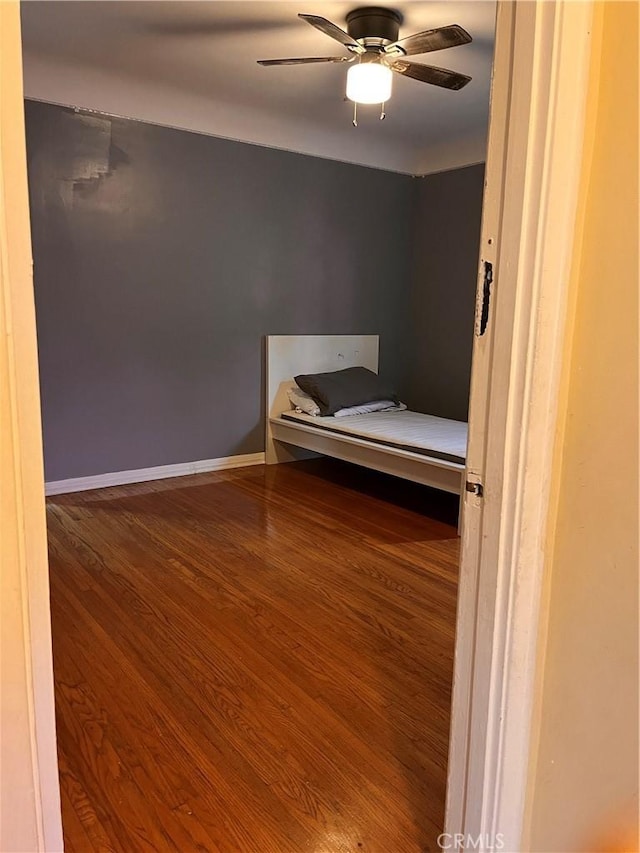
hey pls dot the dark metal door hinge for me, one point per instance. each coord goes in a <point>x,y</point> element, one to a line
<point>476,488</point>
<point>486,297</point>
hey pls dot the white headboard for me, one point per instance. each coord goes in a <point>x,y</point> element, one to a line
<point>288,355</point>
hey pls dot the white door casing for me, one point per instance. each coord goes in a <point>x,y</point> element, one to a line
<point>538,110</point>
<point>29,789</point>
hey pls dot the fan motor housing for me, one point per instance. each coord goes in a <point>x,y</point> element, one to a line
<point>374,22</point>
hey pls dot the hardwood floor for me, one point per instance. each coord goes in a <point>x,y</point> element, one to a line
<point>254,661</point>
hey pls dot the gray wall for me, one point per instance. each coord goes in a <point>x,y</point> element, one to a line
<point>448,213</point>
<point>163,258</point>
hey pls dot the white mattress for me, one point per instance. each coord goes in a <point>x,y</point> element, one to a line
<point>424,434</point>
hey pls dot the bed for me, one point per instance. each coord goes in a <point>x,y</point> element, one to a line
<point>419,447</point>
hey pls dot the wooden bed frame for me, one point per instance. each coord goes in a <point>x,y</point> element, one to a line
<point>286,441</point>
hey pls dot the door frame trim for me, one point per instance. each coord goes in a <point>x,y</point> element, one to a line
<point>538,119</point>
<point>30,783</point>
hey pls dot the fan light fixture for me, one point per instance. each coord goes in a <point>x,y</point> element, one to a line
<point>369,83</point>
<point>372,38</point>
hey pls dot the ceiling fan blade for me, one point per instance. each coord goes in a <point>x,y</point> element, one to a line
<point>430,74</point>
<point>430,40</point>
<point>304,60</point>
<point>333,32</point>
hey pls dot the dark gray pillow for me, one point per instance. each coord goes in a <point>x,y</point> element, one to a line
<point>342,388</point>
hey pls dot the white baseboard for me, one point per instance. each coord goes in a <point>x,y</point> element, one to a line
<point>143,475</point>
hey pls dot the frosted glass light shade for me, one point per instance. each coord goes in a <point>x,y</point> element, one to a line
<point>369,83</point>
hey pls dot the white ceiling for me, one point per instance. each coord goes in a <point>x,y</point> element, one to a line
<point>193,65</point>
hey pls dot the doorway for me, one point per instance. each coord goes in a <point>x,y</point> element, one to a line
<point>530,33</point>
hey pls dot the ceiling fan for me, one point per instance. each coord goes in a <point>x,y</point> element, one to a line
<point>372,40</point>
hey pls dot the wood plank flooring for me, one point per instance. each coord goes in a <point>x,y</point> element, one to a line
<point>254,661</point>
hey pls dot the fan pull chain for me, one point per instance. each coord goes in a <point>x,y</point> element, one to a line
<point>383,112</point>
